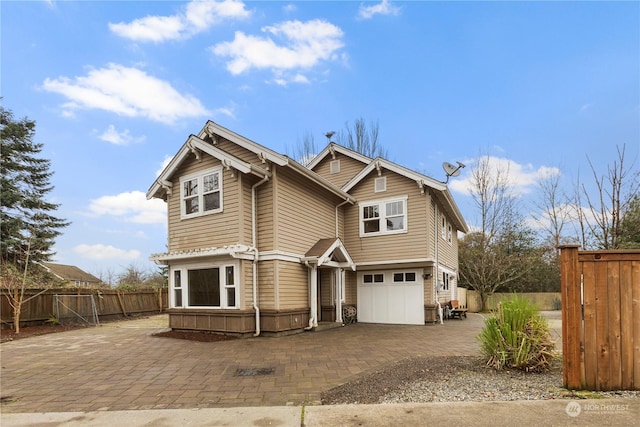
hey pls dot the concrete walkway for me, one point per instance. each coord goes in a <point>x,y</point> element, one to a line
<point>120,374</point>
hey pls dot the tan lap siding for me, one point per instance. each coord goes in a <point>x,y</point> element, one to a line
<point>246,284</point>
<point>213,230</point>
<point>351,287</point>
<point>266,285</point>
<point>306,213</point>
<point>410,245</point>
<point>348,169</point>
<point>293,285</point>
<point>264,206</point>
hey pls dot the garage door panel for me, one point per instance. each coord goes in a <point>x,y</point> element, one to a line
<point>391,302</point>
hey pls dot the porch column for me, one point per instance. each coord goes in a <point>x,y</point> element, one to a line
<point>313,296</point>
<point>339,275</point>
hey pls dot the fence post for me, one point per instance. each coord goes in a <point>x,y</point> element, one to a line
<point>571,316</point>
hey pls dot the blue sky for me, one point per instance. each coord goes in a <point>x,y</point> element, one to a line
<point>116,87</point>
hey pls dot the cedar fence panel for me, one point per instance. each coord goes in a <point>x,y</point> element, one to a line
<point>600,319</point>
<point>110,304</point>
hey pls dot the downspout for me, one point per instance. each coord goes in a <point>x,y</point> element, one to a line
<point>436,274</point>
<point>254,241</point>
<point>313,289</point>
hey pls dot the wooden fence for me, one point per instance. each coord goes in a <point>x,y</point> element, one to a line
<point>600,319</point>
<point>109,303</point>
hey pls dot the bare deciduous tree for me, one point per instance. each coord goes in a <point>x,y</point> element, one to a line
<point>499,253</point>
<point>554,209</point>
<point>614,193</point>
<point>361,138</point>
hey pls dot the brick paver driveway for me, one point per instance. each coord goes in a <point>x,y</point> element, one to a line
<point>122,366</point>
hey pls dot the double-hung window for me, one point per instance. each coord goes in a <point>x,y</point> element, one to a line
<point>211,286</point>
<point>201,193</point>
<point>383,217</point>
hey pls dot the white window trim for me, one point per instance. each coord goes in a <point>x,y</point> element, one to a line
<point>449,233</point>
<point>184,273</point>
<point>199,176</point>
<point>383,211</point>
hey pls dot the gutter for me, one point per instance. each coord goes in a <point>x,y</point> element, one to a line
<point>256,254</point>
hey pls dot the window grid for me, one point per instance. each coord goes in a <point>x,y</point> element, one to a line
<point>383,217</point>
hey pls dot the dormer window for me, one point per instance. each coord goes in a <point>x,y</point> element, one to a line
<point>201,193</point>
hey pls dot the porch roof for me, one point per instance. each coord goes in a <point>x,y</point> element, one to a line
<point>330,252</point>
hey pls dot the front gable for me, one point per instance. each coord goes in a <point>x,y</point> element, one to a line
<point>338,164</point>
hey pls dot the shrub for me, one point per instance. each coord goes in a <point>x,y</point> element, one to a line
<point>517,336</point>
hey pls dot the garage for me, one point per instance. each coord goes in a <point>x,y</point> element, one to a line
<point>393,296</point>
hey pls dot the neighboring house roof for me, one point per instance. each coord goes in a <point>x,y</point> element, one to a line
<point>333,148</point>
<point>440,188</point>
<point>69,272</point>
<point>195,144</point>
<point>324,251</point>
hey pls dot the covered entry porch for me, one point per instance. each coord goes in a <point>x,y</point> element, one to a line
<point>327,261</point>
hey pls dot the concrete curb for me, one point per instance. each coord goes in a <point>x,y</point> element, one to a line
<point>594,412</point>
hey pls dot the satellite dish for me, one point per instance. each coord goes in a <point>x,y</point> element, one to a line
<point>450,169</point>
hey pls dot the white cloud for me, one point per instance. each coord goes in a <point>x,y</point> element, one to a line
<point>303,45</point>
<point>165,163</point>
<point>522,178</point>
<point>585,107</point>
<point>383,8</point>
<point>102,252</point>
<point>132,206</point>
<point>196,17</point>
<point>111,135</point>
<point>125,91</point>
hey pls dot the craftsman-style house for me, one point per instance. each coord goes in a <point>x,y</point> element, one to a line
<point>258,243</point>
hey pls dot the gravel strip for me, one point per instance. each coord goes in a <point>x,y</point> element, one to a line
<point>451,379</point>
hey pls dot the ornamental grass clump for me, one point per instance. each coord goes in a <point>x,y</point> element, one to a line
<point>517,336</point>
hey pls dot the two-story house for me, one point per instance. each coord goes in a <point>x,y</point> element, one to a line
<point>258,243</point>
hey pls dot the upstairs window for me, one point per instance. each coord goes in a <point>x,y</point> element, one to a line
<point>383,217</point>
<point>201,194</point>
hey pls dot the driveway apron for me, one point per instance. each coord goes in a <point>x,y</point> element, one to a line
<point>123,366</point>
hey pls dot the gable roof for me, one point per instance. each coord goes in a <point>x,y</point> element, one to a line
<point>439,189</point>
<point>196,145</point>
<point>333,148</point>
<point>326,251</point>
<point>69,272</point>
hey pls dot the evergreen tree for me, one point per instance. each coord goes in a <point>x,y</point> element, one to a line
<point>28,227</point>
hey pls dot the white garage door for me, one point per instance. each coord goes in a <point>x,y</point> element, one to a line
<point>391,297</point>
